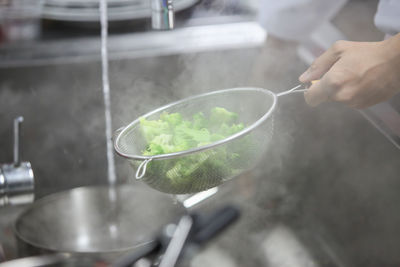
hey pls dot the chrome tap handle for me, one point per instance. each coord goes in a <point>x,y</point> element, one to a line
<point>162,16</point>
<point>17,140</point>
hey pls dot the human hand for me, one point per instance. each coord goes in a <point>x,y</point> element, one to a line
<point>358,74</point>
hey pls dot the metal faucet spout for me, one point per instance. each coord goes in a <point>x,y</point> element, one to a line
<point>16,179</point>
<point>162,15</point>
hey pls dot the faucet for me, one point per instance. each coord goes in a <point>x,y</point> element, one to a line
<point>16,179</point>
<point>162,14</point>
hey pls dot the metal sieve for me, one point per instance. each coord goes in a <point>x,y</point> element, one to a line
<point>255,107</point>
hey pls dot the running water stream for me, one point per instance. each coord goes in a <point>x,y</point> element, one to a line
<point>106,92</point>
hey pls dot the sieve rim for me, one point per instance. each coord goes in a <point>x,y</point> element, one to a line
<point>245,131</point>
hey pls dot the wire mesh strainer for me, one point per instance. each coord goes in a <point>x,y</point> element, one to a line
<point>255,107</point>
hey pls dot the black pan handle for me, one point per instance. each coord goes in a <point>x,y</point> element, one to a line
<point>204,229</point>
<point>207,228</point>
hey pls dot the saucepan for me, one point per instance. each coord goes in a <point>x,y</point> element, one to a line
<point>94,224</point>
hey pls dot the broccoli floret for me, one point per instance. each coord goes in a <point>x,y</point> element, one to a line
<point>152,128</point>
<point>171,133</point>
<point>221,115</point>
<point>172,119</point>
<point>226,130</point>
<point>198,136</point>
<point>216,137</point>
<point>199,121</point>
<point>161,144</point>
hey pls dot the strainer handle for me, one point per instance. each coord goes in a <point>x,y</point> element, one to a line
<point>141,170</point>
<point>297,90</point>
<point>293,90</point>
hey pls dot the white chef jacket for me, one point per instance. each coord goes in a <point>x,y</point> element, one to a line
<point>387,18</point>
<point>297,19</point>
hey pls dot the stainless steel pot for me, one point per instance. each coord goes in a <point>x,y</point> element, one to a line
<point>98,222</point>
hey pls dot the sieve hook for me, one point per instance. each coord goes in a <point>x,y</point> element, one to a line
<point>141,171</point>
<point>117,132</point>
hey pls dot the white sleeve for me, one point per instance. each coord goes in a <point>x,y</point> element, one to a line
<point>296,19</point>
<point>387,18</point>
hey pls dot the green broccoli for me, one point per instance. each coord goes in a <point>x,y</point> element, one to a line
<point>199,121</point>
<point>221,115</point>
<point>172,119</point>
<point>172,133</point>
<point>153,128</point>
<point>161,144</point>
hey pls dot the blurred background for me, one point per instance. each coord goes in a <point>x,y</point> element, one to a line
<point>324,194</point>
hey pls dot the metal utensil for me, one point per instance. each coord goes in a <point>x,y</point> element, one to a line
<point>16,179</point>
<point>255,107</point>
<point>99,220</point>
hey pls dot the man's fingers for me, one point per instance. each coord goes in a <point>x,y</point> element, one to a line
<point>316,94</point>
<point>323,63</point>
<point>333,86</point>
